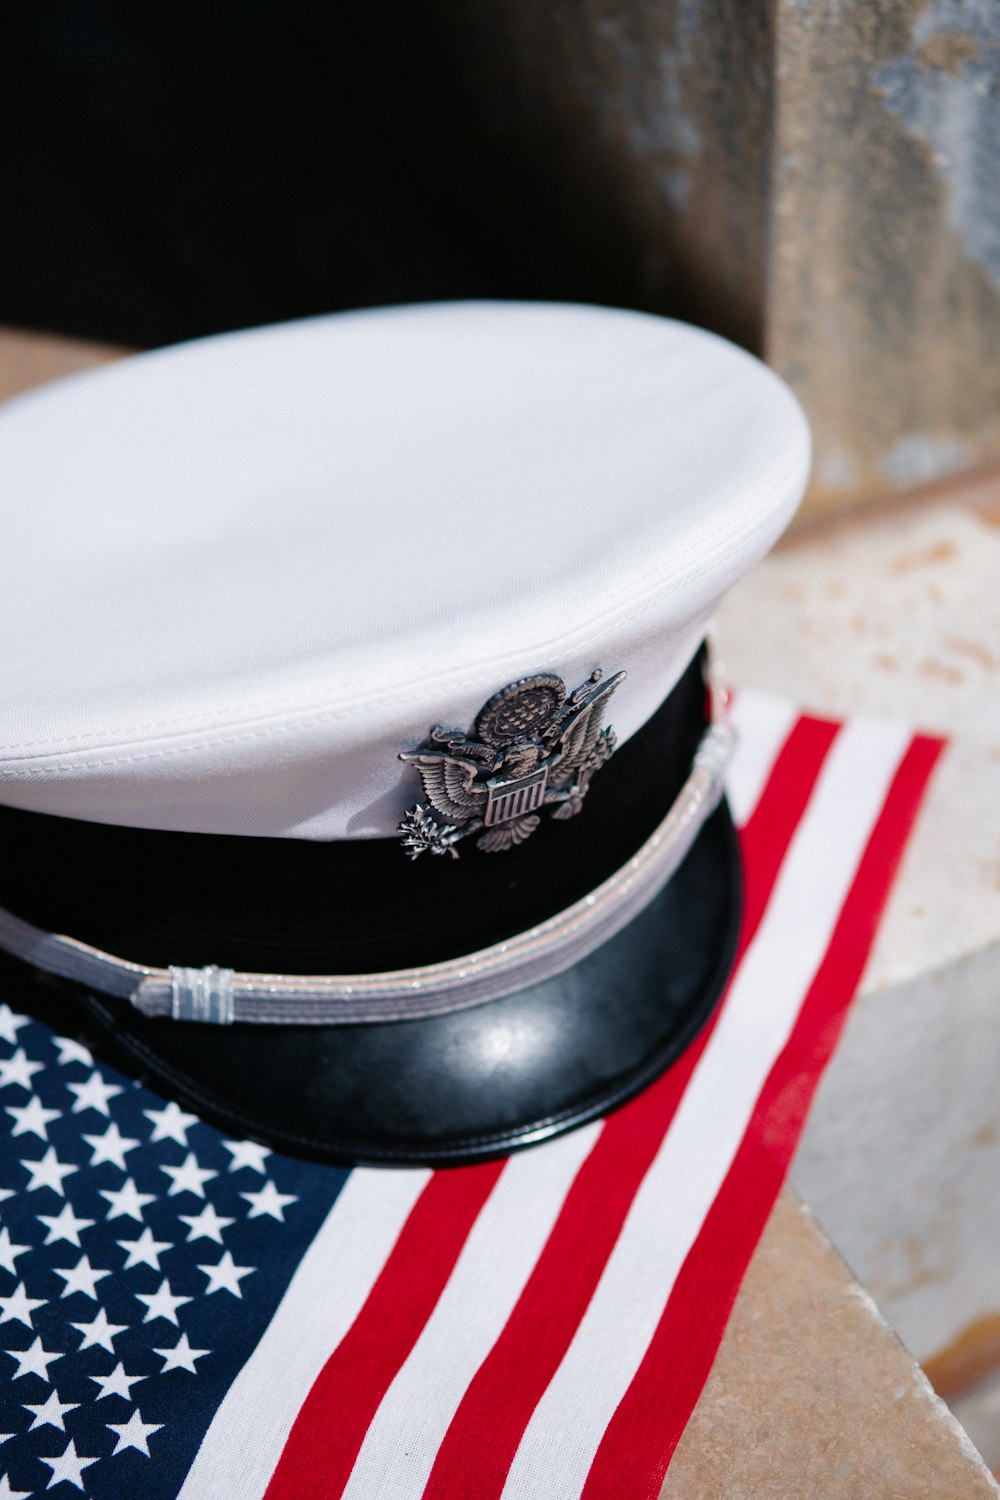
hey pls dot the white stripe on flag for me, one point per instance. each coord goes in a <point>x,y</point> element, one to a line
<point>241,1449</point>
<point>498,1257</point>
<point>667,1214</point>
<point>762,725</point>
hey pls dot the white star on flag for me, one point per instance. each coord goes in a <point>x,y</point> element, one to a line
<point>50,1413</point>
<point>170,1123</point>
<point>208,1225</point>
<point>6,1493</point>
<point>48,1172</point>
<point>162,1304</point>
<point>71,1051</point>
<point>247,1154</point>
<point>269,1201</point>
<point>10,1024</point>
<point>32,1118</point>
<point>225,1277</point>
<point>80,1278</point>
<point>116,1384</point>
<point>181,1356</point>
<point>188,1177</point>
<point>133,1433</point>
<point>67,1467</point>
<point>18,1069</point>
<point>9,1251</point>
<point>94,1094</point>
<point>33,1361</point>
<point>111,1146</point>
<point>99,1332</point>
<point>145,1251</point>
<point>65,1226</point>
<point>126,1202</point>
<point>18,1307</point>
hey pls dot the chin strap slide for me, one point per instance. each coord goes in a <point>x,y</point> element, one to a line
<point>202,995</point>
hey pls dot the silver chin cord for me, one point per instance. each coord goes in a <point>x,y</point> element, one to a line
<point>221,996</point>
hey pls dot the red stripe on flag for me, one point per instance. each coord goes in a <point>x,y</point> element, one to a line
<point>489,1424</point>
<point>327,1434</point>
<point>636,1448</point>
<point>767,833</point>
<point>484,1434</point>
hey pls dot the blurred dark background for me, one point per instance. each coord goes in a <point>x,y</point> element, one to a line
<point>173,170</point>
<point>816,182</point>
<point>170,170</point>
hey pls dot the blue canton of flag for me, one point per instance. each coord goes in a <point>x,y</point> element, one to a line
<point>142,1255</point>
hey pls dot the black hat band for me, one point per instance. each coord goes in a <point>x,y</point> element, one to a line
<point>220,996</point>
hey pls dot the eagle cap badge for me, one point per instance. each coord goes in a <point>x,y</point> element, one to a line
<point>532,746</point>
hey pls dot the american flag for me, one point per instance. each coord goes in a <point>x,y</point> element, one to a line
<point>183,1314</point>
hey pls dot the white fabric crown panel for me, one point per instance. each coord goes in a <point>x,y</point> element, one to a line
<point>241,574</point>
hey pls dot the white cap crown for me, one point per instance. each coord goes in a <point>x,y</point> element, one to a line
<point>241,575</point>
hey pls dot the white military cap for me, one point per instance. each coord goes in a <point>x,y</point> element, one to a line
<point>286,606</point>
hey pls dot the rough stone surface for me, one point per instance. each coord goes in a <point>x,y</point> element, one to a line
<point>884,303</point>
<point>901,1157</point>
<point>817,179</point>
<point>812,1395</point>
<point>897,613</point>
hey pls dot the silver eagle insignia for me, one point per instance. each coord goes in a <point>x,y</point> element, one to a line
<point>532,746</point>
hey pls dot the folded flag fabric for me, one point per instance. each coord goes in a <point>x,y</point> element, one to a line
<point>186,1315</point>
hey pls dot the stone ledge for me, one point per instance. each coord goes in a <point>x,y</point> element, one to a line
<point>812,1394</point>
<point>898,612</point>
